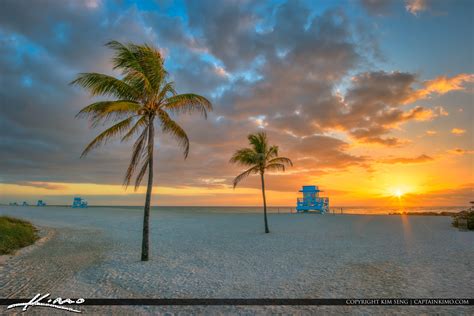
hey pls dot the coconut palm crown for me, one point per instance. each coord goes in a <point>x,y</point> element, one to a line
<point>260,157</point>
<point>141,98</point>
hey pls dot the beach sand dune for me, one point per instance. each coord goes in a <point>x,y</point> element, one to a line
<point>95,253</point>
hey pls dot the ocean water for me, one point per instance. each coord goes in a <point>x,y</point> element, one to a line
<point>367,210</point>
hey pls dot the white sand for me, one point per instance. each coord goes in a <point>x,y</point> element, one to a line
<point>95,253</point>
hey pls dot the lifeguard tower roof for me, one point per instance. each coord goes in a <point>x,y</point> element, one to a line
<point>310,188</point>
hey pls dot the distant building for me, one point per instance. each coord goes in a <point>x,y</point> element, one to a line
<point>79,203</point>
<point>40,203</point>
<point>24,203</point>
<point>311,201</point>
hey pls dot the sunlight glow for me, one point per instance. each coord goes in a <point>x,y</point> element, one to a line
<point>398,193</point>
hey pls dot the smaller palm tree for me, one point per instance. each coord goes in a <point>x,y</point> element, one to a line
<point>260,158</point>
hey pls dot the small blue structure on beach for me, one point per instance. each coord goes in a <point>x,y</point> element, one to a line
<point>40,203</point>
<point>79,203</point>
<point>311,201</point>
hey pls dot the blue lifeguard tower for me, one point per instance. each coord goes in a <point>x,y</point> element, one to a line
<point>79,203</point>
<point>40,203</point>
<point>311,201</point>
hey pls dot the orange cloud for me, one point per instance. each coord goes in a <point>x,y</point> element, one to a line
<point>419,114</point>
<point>458,131</point>
<point>460,151</point>
<point>443,84</point>
<point>415,6</point>
<point>440,85</point>
<point>431,133</point>
<point>419,159</point>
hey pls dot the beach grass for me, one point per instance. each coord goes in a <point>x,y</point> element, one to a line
<point>464,219</point>
<point>15,233</point>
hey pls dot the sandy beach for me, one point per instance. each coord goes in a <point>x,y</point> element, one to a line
<point>95,253</point>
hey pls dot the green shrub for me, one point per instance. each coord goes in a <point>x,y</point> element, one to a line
<point>15,233</point>
<point>464,219</point>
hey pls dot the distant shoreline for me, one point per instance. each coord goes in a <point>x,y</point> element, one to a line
<point>426,213</point>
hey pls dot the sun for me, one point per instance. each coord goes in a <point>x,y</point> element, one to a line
<point>397,192</point>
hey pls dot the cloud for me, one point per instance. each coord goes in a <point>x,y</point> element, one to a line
<point>263,66</point>
<point>442,85</point>
<point>458,131</point>
<point>460,151</point>
<point>378,7</point>
<point>93,4</point>
<point>459,196</point>
<point>43,185</point>
<point>440,111</point>
<point>325,152</point>
<point>405,160</point>
<point>431,132</point>
<point>416,6</point>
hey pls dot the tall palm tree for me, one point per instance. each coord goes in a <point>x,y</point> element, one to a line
<point>141,97</point>
<point>260,157</point>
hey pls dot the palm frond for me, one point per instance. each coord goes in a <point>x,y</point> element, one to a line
<point>141,173</point>
<point>105,110</point>
<point>245,174</point>
<point>152,65</point>
<point>245,157</point>
<point>141,122</point>
<point>171,127</point>
<point>147,156</point>
<point>141,65</point>
<point>125,58</point>
<point>281,160</point>
<point>259,142</point>
<point>168,88</point>
<point>109,133</point>
<point>137,155</point>
<point>272,152</point>
<point>275,167</point>
<point>100,84</point>
<point>188,103</point>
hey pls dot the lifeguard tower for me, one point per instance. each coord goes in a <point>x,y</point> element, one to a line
<point>79,203</point>
<point>311,201</point>
<point>40,203</point>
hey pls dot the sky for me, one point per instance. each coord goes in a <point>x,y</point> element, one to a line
<point>371,99</point>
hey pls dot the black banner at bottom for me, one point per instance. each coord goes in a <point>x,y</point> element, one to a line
<point>258,301</point>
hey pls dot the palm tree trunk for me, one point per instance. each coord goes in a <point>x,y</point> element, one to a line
<point>264,204</point>
<point>146,216</point>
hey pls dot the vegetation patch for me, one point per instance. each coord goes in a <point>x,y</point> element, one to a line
<point>464,220</point>
<point>15,234</point>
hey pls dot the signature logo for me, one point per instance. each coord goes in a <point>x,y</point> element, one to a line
<point>44,301</point>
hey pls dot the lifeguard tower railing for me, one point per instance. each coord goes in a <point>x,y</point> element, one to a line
<point>313,203</point>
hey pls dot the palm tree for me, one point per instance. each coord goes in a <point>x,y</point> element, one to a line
<point>141,97</point>
<point>260,157</point>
